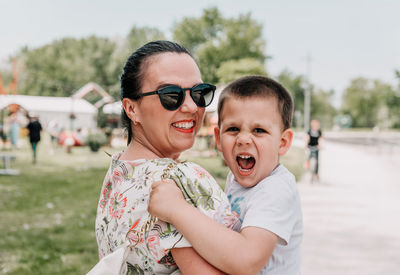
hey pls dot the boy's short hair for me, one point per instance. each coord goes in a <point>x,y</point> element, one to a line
<point>260,86</point>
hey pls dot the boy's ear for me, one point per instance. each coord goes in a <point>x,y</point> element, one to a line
<point>131,110</point>
<point>286,141</point>
<point>217,135</point>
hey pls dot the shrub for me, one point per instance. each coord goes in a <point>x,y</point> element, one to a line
<point>95,141</point>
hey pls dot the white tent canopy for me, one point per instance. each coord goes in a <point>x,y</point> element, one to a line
<point>113,108</point>
<point>55,108</point>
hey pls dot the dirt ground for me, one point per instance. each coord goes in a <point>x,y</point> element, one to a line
<point>352,216</point>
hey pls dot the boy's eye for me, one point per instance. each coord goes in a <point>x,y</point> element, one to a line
<point>232,129</point>
<point>259,130</point>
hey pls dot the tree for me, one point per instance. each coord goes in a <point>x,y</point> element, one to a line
<point>214,40</point>
<point>367,102</point>
<point>62,67</point>
<point>320,105</point>
<point>295,84</point>
<point>233,69</point>
<point>137,37</point>
<point>392,102</point>
<point>194,32</point>
<point>322,108</point>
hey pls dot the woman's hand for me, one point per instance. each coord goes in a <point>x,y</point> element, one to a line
<point>165,199</point>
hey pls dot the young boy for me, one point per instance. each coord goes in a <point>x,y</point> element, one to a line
<point>253,132</point>
<point>313,142</point>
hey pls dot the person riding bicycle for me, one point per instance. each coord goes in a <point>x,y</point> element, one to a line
<point>314,138</point>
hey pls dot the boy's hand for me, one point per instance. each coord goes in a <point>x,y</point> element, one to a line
<point>165,199</point>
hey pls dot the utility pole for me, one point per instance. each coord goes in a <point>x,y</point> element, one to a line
<point>307,95</point>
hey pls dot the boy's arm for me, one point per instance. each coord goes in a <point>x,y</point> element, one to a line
<point>189,262</point>
<point>235,253</point>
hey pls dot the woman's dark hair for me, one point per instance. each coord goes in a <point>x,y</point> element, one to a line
<point>134,71</point>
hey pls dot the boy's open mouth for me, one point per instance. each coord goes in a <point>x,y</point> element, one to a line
<point>245,162</point>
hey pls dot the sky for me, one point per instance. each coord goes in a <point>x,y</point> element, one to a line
<point>330,41</point>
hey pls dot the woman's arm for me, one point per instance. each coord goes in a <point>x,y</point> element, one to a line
<point>189,262</point>
<point>235,253</point>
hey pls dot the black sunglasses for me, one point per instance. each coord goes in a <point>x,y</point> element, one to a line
<point>172,97</point>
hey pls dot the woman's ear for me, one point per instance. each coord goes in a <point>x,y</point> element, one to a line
<point>286,141</point>
<point>131,109</point>
<point>217,134</point>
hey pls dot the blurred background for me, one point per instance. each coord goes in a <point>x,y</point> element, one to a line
<point>60,62</point>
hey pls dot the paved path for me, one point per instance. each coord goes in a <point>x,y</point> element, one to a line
<point>352,217</point>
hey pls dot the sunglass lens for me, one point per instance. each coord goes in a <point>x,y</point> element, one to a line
<point>203,94</point>
<point>171,98</point>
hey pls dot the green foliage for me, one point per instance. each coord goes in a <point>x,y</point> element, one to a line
<point>371,103</point>
<point>322,108</point>
<point>95,141</point>
<point>295,85</point>
<point>138,36</point>
<point>194,32</point>
<point>6,78</point>
<point>320,104</point>
<point>64,66</point>
<point>243,39</point>
<point>214,40</point>
<point>102,119</point>
<point>392,102</point>
<point>233,69</point>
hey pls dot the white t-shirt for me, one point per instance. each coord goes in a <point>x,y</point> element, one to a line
<point>272,204</point>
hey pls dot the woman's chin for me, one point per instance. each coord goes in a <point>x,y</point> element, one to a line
<point>184,145</point>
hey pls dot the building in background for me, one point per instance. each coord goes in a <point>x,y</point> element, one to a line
<point>70,113</point>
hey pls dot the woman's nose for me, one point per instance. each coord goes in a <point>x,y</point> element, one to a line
<point>188,104</point>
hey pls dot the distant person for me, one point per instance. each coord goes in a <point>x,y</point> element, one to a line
<point>54,128</point>
<point>3,136</point>
<point>34,128</point>
<point>314,138</point>
<point>14,129</point>
<point>253,132</point>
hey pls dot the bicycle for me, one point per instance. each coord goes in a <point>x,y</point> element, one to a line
<point>312,164</point>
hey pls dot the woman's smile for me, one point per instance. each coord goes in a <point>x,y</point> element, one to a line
<point>184,126</point>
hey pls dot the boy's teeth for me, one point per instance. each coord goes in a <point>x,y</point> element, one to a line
<point>183,125</point>
<point>245,162</point>
<point>243,156</point>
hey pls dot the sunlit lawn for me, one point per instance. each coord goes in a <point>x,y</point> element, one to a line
<point>48,211</point>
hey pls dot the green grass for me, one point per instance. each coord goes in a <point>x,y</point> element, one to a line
<point>48,210</point>
<point>294,161</point>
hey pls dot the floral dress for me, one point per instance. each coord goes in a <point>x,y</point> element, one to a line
<point>122,211</point>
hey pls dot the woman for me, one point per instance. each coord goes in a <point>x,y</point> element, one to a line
<point>164,101</point>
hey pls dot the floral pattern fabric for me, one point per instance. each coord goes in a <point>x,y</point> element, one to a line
<point>122,211</point>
